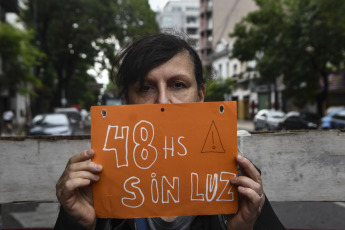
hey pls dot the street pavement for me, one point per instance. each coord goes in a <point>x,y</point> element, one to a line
<point>293,215</point>
<point>245,125</point>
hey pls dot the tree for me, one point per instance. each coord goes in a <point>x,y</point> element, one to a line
<point>301,40</point>
<point>75,35</point>
<point>217,89</point>
<point>18,56</point>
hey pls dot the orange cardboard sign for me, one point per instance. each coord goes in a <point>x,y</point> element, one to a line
<point>165,160</point>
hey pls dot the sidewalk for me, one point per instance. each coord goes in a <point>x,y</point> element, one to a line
<point>245,125</point>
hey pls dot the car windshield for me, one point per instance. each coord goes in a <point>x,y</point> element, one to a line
<point>276,114</point>
<point>340,115</point>
<point>50,119</point>
<point>309,117</point>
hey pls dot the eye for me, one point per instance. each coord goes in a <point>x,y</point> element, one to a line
<point>179,85</point>
<point>145,88</point>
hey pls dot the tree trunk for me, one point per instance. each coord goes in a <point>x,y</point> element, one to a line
<point>60,85</point>
<point>322,97</point>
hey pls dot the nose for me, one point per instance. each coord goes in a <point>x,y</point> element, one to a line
<point>163,97</point>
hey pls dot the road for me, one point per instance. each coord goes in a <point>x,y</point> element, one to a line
<point>293,215</point>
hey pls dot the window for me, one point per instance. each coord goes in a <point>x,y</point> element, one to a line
<point>220,69</point>
<point>340,115</point>
<point>176,9</point>
<point>235,69</point>
<point>191,19</point>
<point>50,119</point>
<point>192,31</point>
<point>192,8</point>
<point>167,21</point>
<point>292,119</point>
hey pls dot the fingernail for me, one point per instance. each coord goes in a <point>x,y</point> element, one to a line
<point>234,180</point>
<point>240,157</point>
<point>98,167</point>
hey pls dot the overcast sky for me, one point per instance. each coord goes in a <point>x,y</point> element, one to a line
<point>157,4</point>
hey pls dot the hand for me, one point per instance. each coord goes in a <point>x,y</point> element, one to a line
<point>74,190</point>
<point>251,196</point>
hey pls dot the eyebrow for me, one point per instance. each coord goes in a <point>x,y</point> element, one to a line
<point>174,77</point>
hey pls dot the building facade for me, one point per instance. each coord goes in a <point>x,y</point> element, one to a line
<point>250,94</point>
<point>225,16</point>
<point>205,28</point>
<point>182,16</point>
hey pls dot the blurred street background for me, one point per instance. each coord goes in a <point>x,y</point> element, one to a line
<point>293,215</point>
<point>283,62</point>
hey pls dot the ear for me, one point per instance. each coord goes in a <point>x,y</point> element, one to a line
<point>202,93</point>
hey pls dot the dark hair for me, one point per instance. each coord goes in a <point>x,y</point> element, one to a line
<point>149,52</point>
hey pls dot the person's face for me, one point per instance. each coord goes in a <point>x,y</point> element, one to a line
<point>170,82</point>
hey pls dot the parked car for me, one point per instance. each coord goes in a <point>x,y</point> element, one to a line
<point>267,119</point>
<point>333,109</point>
<point>56,124</point>
<point>73,115</point>
<point>335,120</point>
<point>273,119</point>
<point>297,120</point>
<point>260,119</point>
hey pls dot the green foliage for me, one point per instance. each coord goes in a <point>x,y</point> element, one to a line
<point>18,56</point>
<point>112,89</point>
<point>303,40</point>
<point>216,89</point>
<point>75,35</point>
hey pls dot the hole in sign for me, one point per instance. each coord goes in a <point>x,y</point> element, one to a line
<point>104,113</point>
<point>221,109</point>
<point>162,109</point>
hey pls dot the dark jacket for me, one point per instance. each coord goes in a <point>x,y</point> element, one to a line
<point>267,220</point>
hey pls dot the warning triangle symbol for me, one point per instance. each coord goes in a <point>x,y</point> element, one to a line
<point>213,144</point>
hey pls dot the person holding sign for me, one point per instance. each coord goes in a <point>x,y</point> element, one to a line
<point>160,69</point>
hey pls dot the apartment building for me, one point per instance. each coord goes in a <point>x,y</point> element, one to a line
<point>206,26</point>
<point>182,15</point>
<point>250,94</point>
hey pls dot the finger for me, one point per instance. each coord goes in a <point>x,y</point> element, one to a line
<point>84,166</point>
<point>82,178</point>
<point>70,186</point>
<point>251,195</point>
<point>247,182</point>
<point>248,169</point>
<point>82,156</point>
<point>84,175</point>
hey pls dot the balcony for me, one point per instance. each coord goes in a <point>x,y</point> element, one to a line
<point>205,43</point>
<point>206,25</point>
<point>206,7</point>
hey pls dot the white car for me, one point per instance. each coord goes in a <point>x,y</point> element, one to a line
<point>268,119</point>
<point>56,124</point>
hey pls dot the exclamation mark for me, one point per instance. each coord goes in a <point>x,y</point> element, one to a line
<point>213,146</point>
